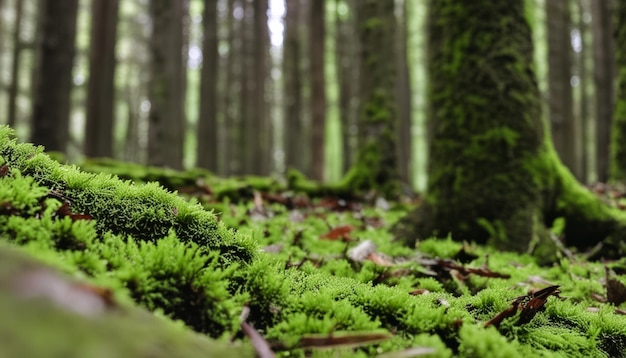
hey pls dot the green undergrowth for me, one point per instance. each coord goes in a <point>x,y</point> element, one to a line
<point>293,263</point>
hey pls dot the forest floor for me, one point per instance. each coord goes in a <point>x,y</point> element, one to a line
<point>300,275</point>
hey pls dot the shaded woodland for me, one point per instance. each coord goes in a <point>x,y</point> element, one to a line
<point>258,87</point>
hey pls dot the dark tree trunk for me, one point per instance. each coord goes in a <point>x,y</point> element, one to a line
<point>318,88</point>
<point>493,173</point>
<point>604,74</point>
<point>403,95</point>
<point>293,97</point>
<point>618,165</point>
<point>376,165</point>
<point>247,89</point>
<point>101,87</point>
<point>261,146</point>
<point>166,90</point>
<point>15,64</point>
<point>562,120</point>
<point>51,102</point>
<point>207,149</point>
<point>234,88</point>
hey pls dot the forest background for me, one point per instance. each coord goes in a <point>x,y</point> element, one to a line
<point>258,86</point>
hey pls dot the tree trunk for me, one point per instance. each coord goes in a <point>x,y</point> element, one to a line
<point>166,92</point>
<point>15,64</point>
<point>318,88</point>
<point>207,147</point>
<point>101,87</point>
<point>562,120</point>
<point>51,102</point>
<point>347,75</point>
<point>247,91</point>
<point>234,88</point>
<point>604,74</point>
<point>618,165</point>
<point>403,96</point>
<point>376,165</point>
<point>261,146</point>
<point>493,173</point>
<point>294,119</point>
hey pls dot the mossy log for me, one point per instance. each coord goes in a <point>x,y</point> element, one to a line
<point>493,173</point>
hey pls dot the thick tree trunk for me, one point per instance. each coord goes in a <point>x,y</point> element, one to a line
<point>318,88</point>
<point>101,89</point>
<point>376,164</point>
<point>51,103</point>
<point>618,144</point>
<point>493,173</point>
<point>604,74</point>
<point>166,91</point>
<point>207,147</point>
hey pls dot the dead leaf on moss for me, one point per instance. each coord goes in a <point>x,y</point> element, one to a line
<point>261,346</point>
<point>340,232</point>
<point>615,289</point>
<point>4,170</point>
<point>380,259</point>
<point>528,304</point>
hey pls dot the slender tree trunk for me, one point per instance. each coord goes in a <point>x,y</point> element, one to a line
<point>166,91</point>
<point>584,64</point>
<point>15,64</point>
<point>318,88</point>
<point>247,90</point>
<point>347,56</point>
<point>234,87</point>
<point>101,87</point>
<point>493,173</point>
<point>261,146</point>
<point>207,150</point>
<point>294,120</point>
<point>51,102</point>
<point>618,165</point>
<point>604,72</point>
<point>562,120</point>
<point>403,95</point>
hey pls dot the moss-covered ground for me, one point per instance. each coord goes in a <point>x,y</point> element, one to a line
<point>311,275</point>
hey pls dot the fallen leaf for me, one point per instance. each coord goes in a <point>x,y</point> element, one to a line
<point>261,346</point>
<point>340,232</point>
<point>362,251</point>
<point>615,289</point>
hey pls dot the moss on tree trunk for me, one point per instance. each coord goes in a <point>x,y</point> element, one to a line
<point>618,146</point>
<point>493,173</point>
<point>376,163</point>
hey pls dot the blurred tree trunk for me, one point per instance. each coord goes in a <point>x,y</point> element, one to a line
<point>562,120</point>
<point>604,75</point>
<point>233,91</point>
<point>15,63</point>
<point>584,65</point>
<point>376,166</point>
<point>494,175</point>
<point>618,165</point>
<point>207,147</point>
<point>101,87</point>
<point>318,88</point>
<point>403,95</point>
<point>261,144</point>
<point>51,102</point>
<point>347,75</point>
<point>166,90</point>
<point>247,92</point>
<point>293,97</point>
<point>131,142</point>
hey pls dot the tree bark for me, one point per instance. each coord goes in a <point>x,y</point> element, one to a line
<point>207,147</point>
<point>618,165</point>
<point>101,87</point>
<point>261,144</point>
<point>403,96</point>
<point>293,97</point>
<point>604,74</point>
<point>51,102</point>
<point>15,64</point>
<point>234,88</point>
<point>376,164</point>
<point>493,173</point>
<point>318,88</point>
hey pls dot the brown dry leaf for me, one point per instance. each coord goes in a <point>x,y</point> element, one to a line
<point>419,291</point>
<point>615,289</point>
<point>340,232</point>
<point>379,259</point>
